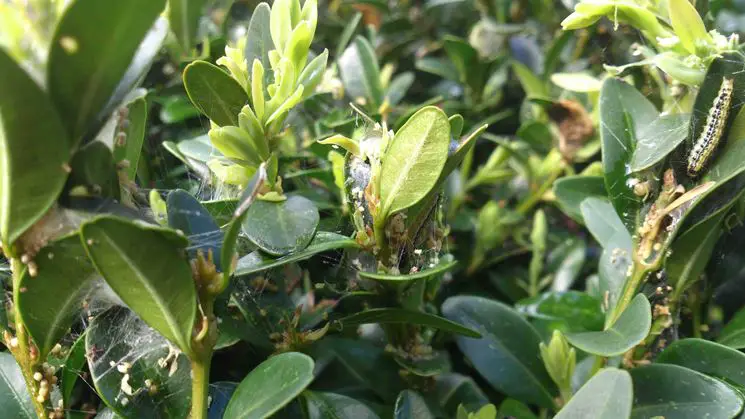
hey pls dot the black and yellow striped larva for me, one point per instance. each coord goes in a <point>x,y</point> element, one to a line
<point>710,136</point>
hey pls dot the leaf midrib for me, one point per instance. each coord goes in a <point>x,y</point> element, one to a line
<point>403,174</point>
<point>151,292</point>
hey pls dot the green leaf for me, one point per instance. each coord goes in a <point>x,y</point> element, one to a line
<point>532,85</point>
<point>466,61</point>
<point>335,406</point>
<point>691,253</point>
<point>688,25</point>
<point>347,34</point>
<point>445,265</point>
<point>71,369</point>
<point>623,112</point>
<point>577,310</point>
<point>398,88</point>
<point>659,139</point>
<point>359,70</point>
<point>613,270</point>
<point>369,365</point>
<point>707,358</point>
<point>184,15</point>
<point>313,74</point>
<point>576,82</point>
<point>566,261</point>
<point>410,405</point>
<point>608,395</point>
<point>91,51</point>
<point>403,316</point>
<point>50,301</point>
<point>733,333</point>
<point>270,386</point>
<point>601,219</point>
<point>145,266</point>
<point>323,241</point>
<point>15,401</point>
<point>217,95</point>
<point>452,390</point>
<point>280,228</point>
<point>118,340</point>
<point>511,408</point>
<point>187,215</point>
<point>230,240</point>
<point>628,331</point>
<point>507,355</point>
<point>27,141</point>
<point>259,37</point>
<point>414,160</point>
<point>660,389</point>
<point>93,168</point>
<point>129,148</point>
<point>437,66</point>
<point>220,394</point>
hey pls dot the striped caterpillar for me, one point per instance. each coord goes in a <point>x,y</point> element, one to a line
<point>712,133</point>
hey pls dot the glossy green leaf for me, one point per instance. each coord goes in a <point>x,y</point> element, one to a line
<point>270,386</point>
<point>623,113</point>
<point>313,74</point>
<point>707,358</point>
<point>220,394</point>
<point>280,228</point>
<point>532,85</point>
<point>437,66</point>
<point>323,241</point>
<point>687,24</point>
<point>414,160</point>
<point>576,82</point>
<point>369,365</point>
<point>335,406</point>
<point>425,365</point>
<point>507,355</point>
<point>686,394</point>
<point>51,300</point>
<point>129,147</point>
<point>93,169</point>
<point>230,240</point>
<point>577,310</point>
<point>453,390</point>
<point>15,401</point>
<point>398,87</point>
<point>601,219</point>
<point>117,343</point>
<point>733,333</point>
<point>184,15</point>
<point>403,316</point>
<point>187,215</point>
<point>608,395</point>
<point>566,262</point>
<point>659,139</point>
<point>411,405</point>
<point>445,265</point>
<point>613,270</point>
<point>628,331</point>
<point>217,95</point>
<point>27,141</point>
<point>360,72</point>
<point>691,253</point>
<point>259,38</point>
<point>91,51</point>
<point>71,369</point>
<point>347,34</point>
<point>511,408</point>
<point>570,191</point>
<point>146,268</point>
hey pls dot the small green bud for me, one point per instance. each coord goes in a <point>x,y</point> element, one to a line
<point>560,360</point>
